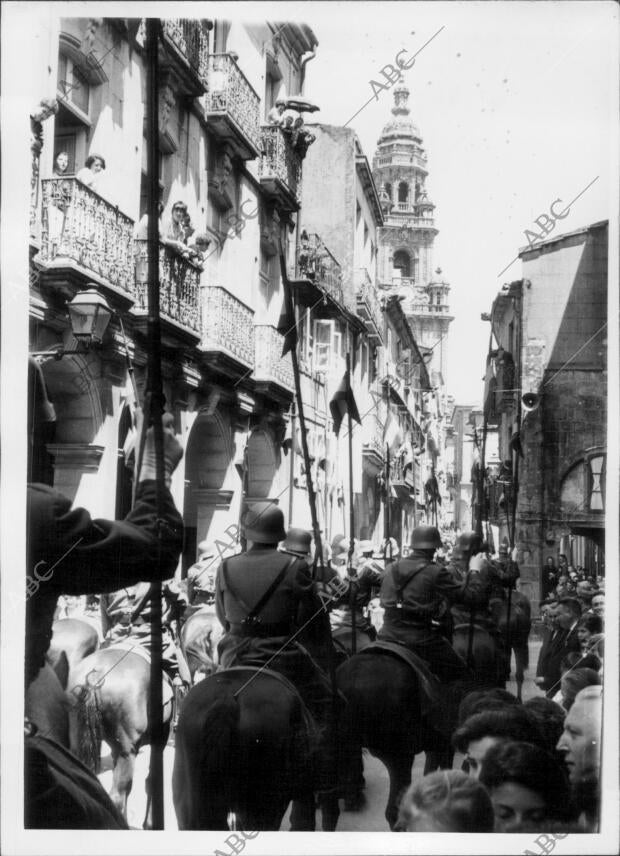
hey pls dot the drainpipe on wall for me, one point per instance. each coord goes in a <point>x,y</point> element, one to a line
<point>302,70</point>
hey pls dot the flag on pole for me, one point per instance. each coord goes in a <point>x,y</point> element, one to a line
<point>342,403</point>
<point>287,325</point>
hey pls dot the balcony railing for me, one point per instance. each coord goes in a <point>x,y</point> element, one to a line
<point>367,302</point>
<point>191,39</point>
<point>179,281</point>
<point>81,228</point>
<point>372,434</point>
<point>280,166</point>
<point>233,107</point>
<point>227,327</point>
<point>270,366</point>
<point>316,263</point>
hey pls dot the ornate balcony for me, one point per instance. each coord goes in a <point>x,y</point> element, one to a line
<point>368,304</point>
<point>187,42</point>
<point>372,439</point>
<point>233,107</point>
<point>280,168</point>
<point>316,264</point>
<point>228,337</point>
<point>84,238</point>
<point>179,283</point>
<point>272,370</point>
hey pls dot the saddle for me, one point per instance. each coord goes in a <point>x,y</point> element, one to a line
<point>429,684</point>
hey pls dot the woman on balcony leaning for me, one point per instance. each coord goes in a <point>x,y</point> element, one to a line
<point>91,172</point>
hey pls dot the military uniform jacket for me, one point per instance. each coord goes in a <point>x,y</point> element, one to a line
<point>249,576</point>
<point>421,586</point>
<point>70,553</point>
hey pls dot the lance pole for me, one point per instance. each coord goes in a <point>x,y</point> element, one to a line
<point>154,414</point>
<point>302,424</point>
<point>350,568</point>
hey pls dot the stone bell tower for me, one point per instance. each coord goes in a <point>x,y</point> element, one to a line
<point>405,263</point>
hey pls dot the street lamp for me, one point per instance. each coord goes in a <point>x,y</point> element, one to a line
<point>89,315</point>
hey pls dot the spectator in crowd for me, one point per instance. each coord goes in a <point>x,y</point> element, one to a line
<point>562,564</point>
<point>188,229</point>
<point>578,660</point>
<point>480,700</point>
<point>589,625</point>
<point>598,604</point>
<point>549,717</point>
<point>574,681</point>
<point>446,801</point>
<point>528,787</point>
<point>477,734</point>
<point>567,614</point>
<point>581,745</point>
<point>549,578</point>
<point>91,173</point>
<point>61,164</point>
<point>585,592</point>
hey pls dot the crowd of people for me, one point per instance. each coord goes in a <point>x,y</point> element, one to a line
<point>532,766</point>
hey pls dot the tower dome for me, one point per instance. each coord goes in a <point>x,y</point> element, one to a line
<point>401,125</point>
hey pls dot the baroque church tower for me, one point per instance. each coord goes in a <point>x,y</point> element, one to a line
<point>405,242</point>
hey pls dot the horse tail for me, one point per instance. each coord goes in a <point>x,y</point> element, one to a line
<point>89,728</point>
<point>220,748</point>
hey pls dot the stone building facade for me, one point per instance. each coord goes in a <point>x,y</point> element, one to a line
<point>547,392</point>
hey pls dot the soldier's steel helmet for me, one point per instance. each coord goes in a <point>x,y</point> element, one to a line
<point>264,523</point>
<point>425,538</point>
<point>297,541</point>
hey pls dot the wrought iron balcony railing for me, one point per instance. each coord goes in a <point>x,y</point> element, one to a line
<point>280,166</point>
<point>227,328</point>
<point>316,263</point>
<point>179,281</point>
<point>191,40</point>
<point>372,434</point>
<point>368,303</point>
<point>80,229</point>
<point>233,106</point>
<point>270,366</point>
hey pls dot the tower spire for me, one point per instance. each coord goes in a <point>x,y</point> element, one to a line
<point>401,97</point>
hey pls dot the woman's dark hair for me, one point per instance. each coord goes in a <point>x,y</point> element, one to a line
<point>480,700</point>
<point>582,661</point>
<point>458,802</point>
<point>549,717</point>
<point>91,159</point>
<point>510,723</point>
<point>572,604</point>
<point>592,623</point>
<point>575,681</point>
<point>532,768</point>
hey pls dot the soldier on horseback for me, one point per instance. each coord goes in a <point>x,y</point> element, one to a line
<point>469,557</point>
<point>412,593</point>
<point>263,598</point>
<point>367,578</point>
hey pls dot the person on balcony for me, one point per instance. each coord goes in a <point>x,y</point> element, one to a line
<point>276,114</point>
<point>199,249</point>
<point>174,230</point>
<point>91,173</point>
<point>61,164</point>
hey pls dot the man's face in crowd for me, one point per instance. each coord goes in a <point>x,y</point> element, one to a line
<point>581,740</point>
<point>564,617</point>
<point>598,605</point>
<point>476,752</point>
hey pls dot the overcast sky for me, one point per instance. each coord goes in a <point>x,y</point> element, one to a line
<point>515,103</point>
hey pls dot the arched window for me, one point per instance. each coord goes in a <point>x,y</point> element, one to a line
<point>403,191</point>
<point>402,262</point>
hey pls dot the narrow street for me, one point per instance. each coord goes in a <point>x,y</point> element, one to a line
<point>370,819</point>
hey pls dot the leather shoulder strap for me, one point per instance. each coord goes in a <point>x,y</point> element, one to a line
<point>264,600</point>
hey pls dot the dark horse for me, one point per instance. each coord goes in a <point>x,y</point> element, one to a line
<point>244,744</point>
<point>385,707</point>
<point>517,633</point>
<point>110,690</point>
